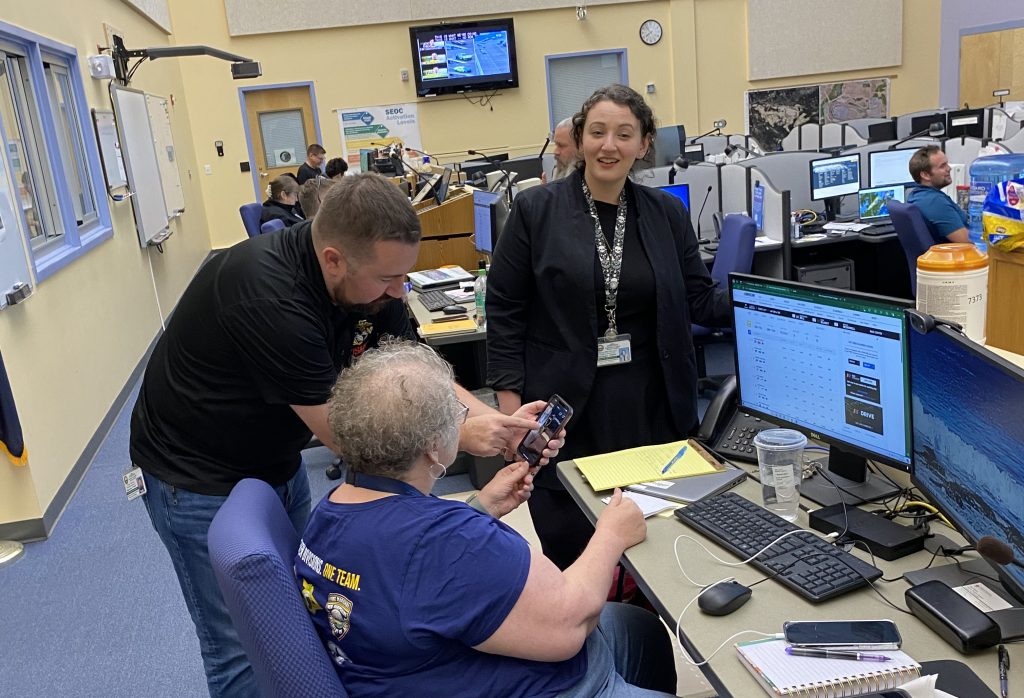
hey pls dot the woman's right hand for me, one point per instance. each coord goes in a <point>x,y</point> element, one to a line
<point>622,520</point>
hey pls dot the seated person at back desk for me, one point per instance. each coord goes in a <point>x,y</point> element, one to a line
<point>946,221</point>
<point>440,598</point>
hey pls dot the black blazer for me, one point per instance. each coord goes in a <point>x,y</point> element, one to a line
<point>275,210</point>
<point>541,309</point>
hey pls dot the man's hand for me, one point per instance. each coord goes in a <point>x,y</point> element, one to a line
<point>530,411</point>
<point>492,433</point>
<point>511,486</point>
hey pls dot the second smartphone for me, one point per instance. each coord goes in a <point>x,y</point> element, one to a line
<point>552,420</point>
<point>846,634</point>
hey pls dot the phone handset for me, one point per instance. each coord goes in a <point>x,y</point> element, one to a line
<point>719,411</point>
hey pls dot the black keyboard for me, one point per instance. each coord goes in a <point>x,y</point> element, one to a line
<point>737,439</point>
<point>435,300</point>
<point>804,562</point>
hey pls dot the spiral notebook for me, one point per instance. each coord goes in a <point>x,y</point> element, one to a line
<point>785,675</point>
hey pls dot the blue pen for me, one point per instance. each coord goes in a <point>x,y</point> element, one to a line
<point>1004,665</point>
<point>674,459</point>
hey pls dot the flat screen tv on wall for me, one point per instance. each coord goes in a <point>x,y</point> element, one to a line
<point>464,57</point>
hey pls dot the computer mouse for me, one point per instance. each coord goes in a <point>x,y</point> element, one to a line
<point>723,598</point>
<point>453,309</point>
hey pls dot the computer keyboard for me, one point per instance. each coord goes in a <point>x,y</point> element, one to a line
<point>804,562</point>
<point>435,300</point>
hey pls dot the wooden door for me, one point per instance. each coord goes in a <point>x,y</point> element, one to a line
<point>281,126</point>
<point>991,61</point>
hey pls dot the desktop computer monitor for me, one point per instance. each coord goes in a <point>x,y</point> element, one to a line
<point>833,178</point>
<point>880,132</point>
<point>873,203</point>
<point>968,439</point>
<point>669,142</point>
<point>480,167</point>
<point>485,219</point>
<point>441,187</point>
<point>680,191</point>
<point>694,152</point>
<point>890,167</point>
<point>921,124</point>
<point>525,168</point>
<point>832,364</point>
<point>965,122</point>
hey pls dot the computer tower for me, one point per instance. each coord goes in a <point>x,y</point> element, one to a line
<point>837,273</point>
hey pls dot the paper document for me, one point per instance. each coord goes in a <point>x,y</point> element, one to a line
<point>433,329</point>
<point>856,227</point>
<point>648,505</point>
<point>646,464</point>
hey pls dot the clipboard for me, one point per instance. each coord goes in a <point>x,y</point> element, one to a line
<point>647,464</point>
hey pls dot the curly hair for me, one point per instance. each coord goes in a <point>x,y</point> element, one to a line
<point>624,96</point>
<point>392,405</point>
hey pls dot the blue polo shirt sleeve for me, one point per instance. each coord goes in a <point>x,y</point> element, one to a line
<point>473,563</point>
<point>942,216</point>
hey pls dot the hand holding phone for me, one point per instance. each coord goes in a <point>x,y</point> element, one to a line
<point>552,420</point>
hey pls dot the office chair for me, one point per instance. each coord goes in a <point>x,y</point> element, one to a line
<point>252,544</point>
<point>735,253</point>
<point>913,234</point>
<point>250,214</point>
<point>271,226</point>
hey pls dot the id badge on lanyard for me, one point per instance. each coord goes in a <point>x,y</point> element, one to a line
<point>613,350</point>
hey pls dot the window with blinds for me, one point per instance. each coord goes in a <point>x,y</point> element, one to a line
<point>573,77</point>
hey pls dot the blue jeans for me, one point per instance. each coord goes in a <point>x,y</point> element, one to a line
<point>629,655</point>
<point>181,519</point>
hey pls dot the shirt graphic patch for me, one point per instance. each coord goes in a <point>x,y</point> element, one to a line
<point>364,328</point>
<point>339,615</point>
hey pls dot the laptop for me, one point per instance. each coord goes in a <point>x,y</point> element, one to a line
<point>687,490</point>
<point>872,203</point>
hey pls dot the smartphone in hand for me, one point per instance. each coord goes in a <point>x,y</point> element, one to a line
<point>552,420</point>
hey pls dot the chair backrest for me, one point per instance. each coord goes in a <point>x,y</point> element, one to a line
<point>252,544</point>
<point>271,226</point>
<point>735,248</point>
<point>250,214</point>
<point>913,234</point>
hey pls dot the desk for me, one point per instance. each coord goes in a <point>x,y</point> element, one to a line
<point>654,566</point>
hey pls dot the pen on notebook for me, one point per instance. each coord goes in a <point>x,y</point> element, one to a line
<point>835,654</point>
<point>1004,665</point>
<point>674,459</point>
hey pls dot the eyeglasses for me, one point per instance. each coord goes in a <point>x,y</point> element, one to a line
<point>463,412</point>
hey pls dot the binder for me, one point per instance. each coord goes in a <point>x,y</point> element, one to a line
<point>781,674</point>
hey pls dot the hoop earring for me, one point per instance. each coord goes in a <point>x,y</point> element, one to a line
<point>432,472</point>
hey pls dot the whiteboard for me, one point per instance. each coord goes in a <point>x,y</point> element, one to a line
<point>141,164</point>
<point>110,149</point>
<point>160,122</point>
<point>14,263</point>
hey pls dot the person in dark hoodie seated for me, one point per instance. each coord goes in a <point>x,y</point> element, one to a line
<point>284,195</point>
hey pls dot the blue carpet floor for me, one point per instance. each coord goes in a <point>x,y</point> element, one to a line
<point>95,610</point>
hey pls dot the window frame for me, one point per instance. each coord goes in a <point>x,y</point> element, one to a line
<point>76,239</point>
<point>621,54</point>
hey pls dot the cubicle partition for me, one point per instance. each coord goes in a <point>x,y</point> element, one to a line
<point>788,171</point>
<point>816,136</point>
<point>962,150</point>
<point>698,176</point>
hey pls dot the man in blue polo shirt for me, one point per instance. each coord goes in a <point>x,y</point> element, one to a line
<point>946,221</point>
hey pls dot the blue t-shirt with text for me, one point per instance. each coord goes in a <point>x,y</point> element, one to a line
<point>400,590</point>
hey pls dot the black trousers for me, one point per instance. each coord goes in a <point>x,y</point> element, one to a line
<point>561,525</point>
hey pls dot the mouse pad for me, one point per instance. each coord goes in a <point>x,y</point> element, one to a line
<point>958,678</point>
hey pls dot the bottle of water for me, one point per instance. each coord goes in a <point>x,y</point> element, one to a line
<point>480,293</point>
<point>794,226</point>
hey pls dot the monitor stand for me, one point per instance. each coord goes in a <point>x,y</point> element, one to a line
<point>850,472</point>
<point>832,208</point>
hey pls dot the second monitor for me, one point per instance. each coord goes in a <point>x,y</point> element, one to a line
<point>834,178</point>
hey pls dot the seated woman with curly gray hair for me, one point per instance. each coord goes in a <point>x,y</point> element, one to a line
<point>415,595</point>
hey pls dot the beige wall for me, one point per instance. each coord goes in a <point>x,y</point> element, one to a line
<point>699,69</point>
<point>71,347</point>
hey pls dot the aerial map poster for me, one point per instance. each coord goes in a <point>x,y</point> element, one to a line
<point>773,113</point>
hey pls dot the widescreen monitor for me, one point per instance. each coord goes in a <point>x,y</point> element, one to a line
<point>873,203</point>
<point>524,168</point>
<point>833,178</point>
<point>884,131</point>
<point>694,152</point>
<point>464,57</point>
<point>831,363</point>
<point>968,439</point>
<point>921,124</point>
<point>441,187</point>
<point>887,168</point>
<point>485,220</point>
<point>680,191</point>
<point>965,122</point>
<point>669,142</point>
<point>479,166</point>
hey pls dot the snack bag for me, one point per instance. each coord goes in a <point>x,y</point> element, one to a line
<point>1002,215</point>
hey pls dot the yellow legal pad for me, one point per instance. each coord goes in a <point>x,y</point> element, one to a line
<point>434,329</point>
<point>645,464</point>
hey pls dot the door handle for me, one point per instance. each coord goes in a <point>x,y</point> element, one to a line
<point>264,174</point>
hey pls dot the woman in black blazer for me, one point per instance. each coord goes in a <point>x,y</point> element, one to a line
<point>282,203</point>
<point>556,309</point>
